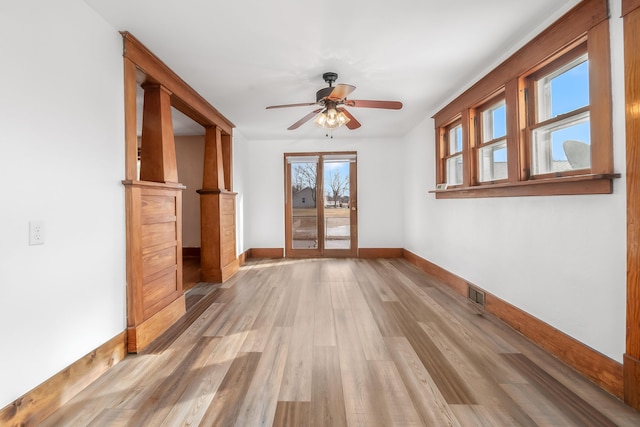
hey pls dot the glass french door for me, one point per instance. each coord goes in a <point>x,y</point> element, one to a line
<point>321,204</point>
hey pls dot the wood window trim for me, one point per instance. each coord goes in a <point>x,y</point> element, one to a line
<point>588,21</point>
<point>477,137</point>
<point>629,6</point>
<point>446,144</point>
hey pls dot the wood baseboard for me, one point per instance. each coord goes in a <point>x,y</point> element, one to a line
<point>380,252</point>
<point>267,252</point>
<point>605,372</point>
<point>453,281</point>
<point>42,401</point>
<point>631,369</point>
<point>243,257</point>
<point>191,252</point>
<point>140,336</point>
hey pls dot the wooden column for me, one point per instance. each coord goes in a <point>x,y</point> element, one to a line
<point>157,149</point>
<point>631,12</point>
<point>155,299</point>
<point>213,174</point>
<point>218,258</point>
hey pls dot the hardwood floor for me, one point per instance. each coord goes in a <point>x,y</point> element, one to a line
<point>190,272</point>
<point>339,342</point>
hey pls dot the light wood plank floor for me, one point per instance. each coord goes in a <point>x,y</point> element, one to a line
<point>339,342</point>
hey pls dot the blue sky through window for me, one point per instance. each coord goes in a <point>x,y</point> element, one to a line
<point>570,91</point>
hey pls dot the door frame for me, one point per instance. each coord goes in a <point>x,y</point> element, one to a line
<point>320,251</point>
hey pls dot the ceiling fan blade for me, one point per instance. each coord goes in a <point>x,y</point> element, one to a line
<point>303,120</point>
<point>304,104</point>
<point>352,123</point>
<point>388,105</point>
<point>341,92</point>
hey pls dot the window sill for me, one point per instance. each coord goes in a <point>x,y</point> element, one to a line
<point>577,184</point>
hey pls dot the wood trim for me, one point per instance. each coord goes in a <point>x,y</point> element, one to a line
<point>577,184</point>
<point>37,404</point>
<point>600,104</point>
<point>184,98</point>
<point>243,257</point>
<point>631,381</point>
<point>380,253</point>
<point>571,26</point>
<point>141,335</point>
<point>266,252</point>
<point>632,99</point>
<point>191,252</point>
<point>514,162</point>
<point>605,372</point>
<point>130,121</point>
<point>629,6</point>
<point>457,283</point>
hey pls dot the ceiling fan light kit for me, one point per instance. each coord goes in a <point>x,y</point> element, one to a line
<point>331,115</point>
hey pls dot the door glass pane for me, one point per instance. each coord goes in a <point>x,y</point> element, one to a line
<point>337,216</point>
<point>304,217</point>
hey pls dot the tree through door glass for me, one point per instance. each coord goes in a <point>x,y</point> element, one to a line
<point>337,203</point>
<point>304,201</point>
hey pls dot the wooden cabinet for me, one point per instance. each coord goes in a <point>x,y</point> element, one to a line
<point>154,253</point>
<point>218,259</point>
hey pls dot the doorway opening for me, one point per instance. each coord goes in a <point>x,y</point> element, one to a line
<point>321,204</point>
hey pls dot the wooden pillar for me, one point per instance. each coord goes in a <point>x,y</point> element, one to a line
<point>155,299</point>
<point>227,161</point>
<point>631,13</point>
<point>218,258</point>
<point>157,150</point>
<point>213,174</point>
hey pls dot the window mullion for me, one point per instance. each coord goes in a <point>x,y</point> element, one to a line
<point>468,168</point>
<point>514,118</point>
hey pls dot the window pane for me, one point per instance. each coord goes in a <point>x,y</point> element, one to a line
<point>492,162</point>
<point>454,170</point>
<point>494,122</point>
<point>455,140</point>
<point>337,214</point>
<point>564,90</point>
<point>304,218</point>
<point>565,145</point>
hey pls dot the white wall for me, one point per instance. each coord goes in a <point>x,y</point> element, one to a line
<point>190,160</point>
<point>61,161</point>
<point>240,153</point>
<point>562,258</point>
<point>380,178</point>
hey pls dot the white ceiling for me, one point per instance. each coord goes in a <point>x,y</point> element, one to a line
<point>243,55</point>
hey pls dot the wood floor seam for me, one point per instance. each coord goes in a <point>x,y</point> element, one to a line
<point>339,342</point>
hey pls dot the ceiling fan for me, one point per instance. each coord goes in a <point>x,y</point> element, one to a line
<point>331,100</point>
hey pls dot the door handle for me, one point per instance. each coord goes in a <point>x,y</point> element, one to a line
<point>353,208</point>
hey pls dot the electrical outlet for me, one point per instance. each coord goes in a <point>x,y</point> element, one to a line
<point>36,232</point>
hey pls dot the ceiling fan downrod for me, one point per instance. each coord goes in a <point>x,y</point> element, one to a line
<point>330,78</point>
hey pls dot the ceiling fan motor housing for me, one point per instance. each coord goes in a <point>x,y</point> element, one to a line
<point>330,78</point>
<point>323,93</point>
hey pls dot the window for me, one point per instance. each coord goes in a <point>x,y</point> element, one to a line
<point>559,127</point>
<point>454,159</point>
<point>538,124</point>
<point>492,142</point>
